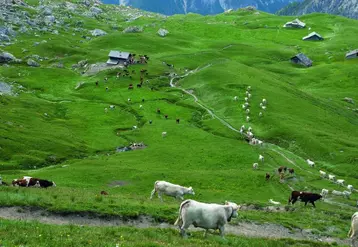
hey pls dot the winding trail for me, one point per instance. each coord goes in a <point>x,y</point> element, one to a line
<point>247,229</point>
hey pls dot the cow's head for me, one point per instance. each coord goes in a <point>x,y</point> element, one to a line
<point>191,191</point>
<point>234,207</point>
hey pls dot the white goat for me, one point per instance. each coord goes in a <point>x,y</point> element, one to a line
<point>332,177</point>
<point>310,163</point>
<point>340,182</point>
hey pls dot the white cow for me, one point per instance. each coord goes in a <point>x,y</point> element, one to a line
<point>259,142</point>
<point>164,134</point>
<point>324,193</point>
<point>255,166</point>
<point>169,189</point>
<point>274,202</point>
<point>261,158</point>
<point>322,174</point>
<point>310,163</point>
<point>205,215</point>
<point>332,177</point>
<point>350,187</point>
<point>340,182</point>
<point>353,231</point>
<point>347,194</point>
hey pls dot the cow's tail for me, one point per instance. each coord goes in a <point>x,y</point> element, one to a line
<point>177,222</point>
<point>154,190</point>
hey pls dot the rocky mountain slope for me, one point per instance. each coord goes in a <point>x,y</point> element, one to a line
<point>170,7</point>
<point>348,8</point>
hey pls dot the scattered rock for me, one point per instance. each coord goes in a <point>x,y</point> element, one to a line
<point>32,63</point>
<point>96,10</point>
<point>349,100</point>
<point>133,29</point>
<point>6,57</point>
<point>4,38</point>
<point>98,32</point>
<point>50,19</point>
<point>23,29</point>
<point>47,11</point>
<point>5,88</point>
<point>163,32</point>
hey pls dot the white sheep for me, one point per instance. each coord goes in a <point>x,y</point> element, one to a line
<point>247,104</point>
<point>261,158</point>
<point>249,95</point>
<point>243,127</point>
<point>235,98</point>
<point>322,174</point>
<point>263,108</point>
<point>350,187</point>
<point>164,134</point>
<point>340,182</point>
<point>112,107</point>
<point>247,119</point>
<point>243,106</point>
<point>260,142</point>
<point>247,111</point>
<point>248,88</point>
<point>255,166</point>
<point>264,101</point>
<point>260,114</point>
<point>310,163</point>
<point>332,177</point>
<point>273,202</point>
<point>324,193</point>
<point>261,105</point>
<point>337,193</point>
<point>253,141</point>
<point>246,99</point>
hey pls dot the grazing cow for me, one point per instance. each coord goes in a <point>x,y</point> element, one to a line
<point>169,189</point>
<point>282,169</point>
<point>332,177</point>
<point>166,116</point>
<point>340,182</point>
<point>350,187</point>
<point>164,134</point>
<point>96,83</point>
<point>322,174</point>
<point>104,193</point>
<point>41,183</point>
<point>177,120</point>
<point>158,110</point>
<point>255,166</point>
<point>291,171</point>
<point>139,85</point>
<point>261,158</point>
<point>150,121</point>
<point>130,86</point>
<point>353,231</point>
<point>304,197</point>
<point>324,193</point>
<point>205,215</point>
<point>310,163</point>
<point>267,177</point>
<point>273,202</point>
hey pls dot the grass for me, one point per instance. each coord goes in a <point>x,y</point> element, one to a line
<point>74,143</point>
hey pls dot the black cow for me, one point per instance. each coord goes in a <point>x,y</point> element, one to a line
<point>42,183</point>
<point>304,197</point>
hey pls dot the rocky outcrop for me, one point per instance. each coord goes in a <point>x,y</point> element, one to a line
<point>163,32</point>
<point>133,29</point>
<point>98,32</point>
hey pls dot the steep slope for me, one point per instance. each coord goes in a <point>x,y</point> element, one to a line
<point>348,8</point>
<point>170,7</point>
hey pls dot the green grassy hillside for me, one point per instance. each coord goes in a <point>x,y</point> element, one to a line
<point>54,131</point>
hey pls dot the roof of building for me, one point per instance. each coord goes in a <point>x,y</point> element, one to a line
<point>354,52</point>
<point>303,59</point>
<point>295,22</point>
<point>119,54</point>
<point>112,61</point>
<point>311,35</point>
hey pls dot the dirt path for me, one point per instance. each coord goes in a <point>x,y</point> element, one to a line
<point>248,229</point>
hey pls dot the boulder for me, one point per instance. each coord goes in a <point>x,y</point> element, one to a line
<point>4,38</point>
<point>163,32</point>
<point>133,29</point>
<point>49,19</point>
<point>96,10</point>
<point>6,57</point>
<point>98,32</point>
<point>47,11</point>
<point>32,63</point>
<point>5,88</point>
<point>23,29</point>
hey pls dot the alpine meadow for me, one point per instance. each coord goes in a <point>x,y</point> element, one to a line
<point>98,102</point>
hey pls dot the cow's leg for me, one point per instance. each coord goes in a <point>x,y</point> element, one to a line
<point>206,233</point>
<point>185,225</point>
<point>306,203</point>
<point>160,196</point>
<point>152,194</point>
<point>313,204</point>
<point>294,200</point>
<point>222,230</point>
